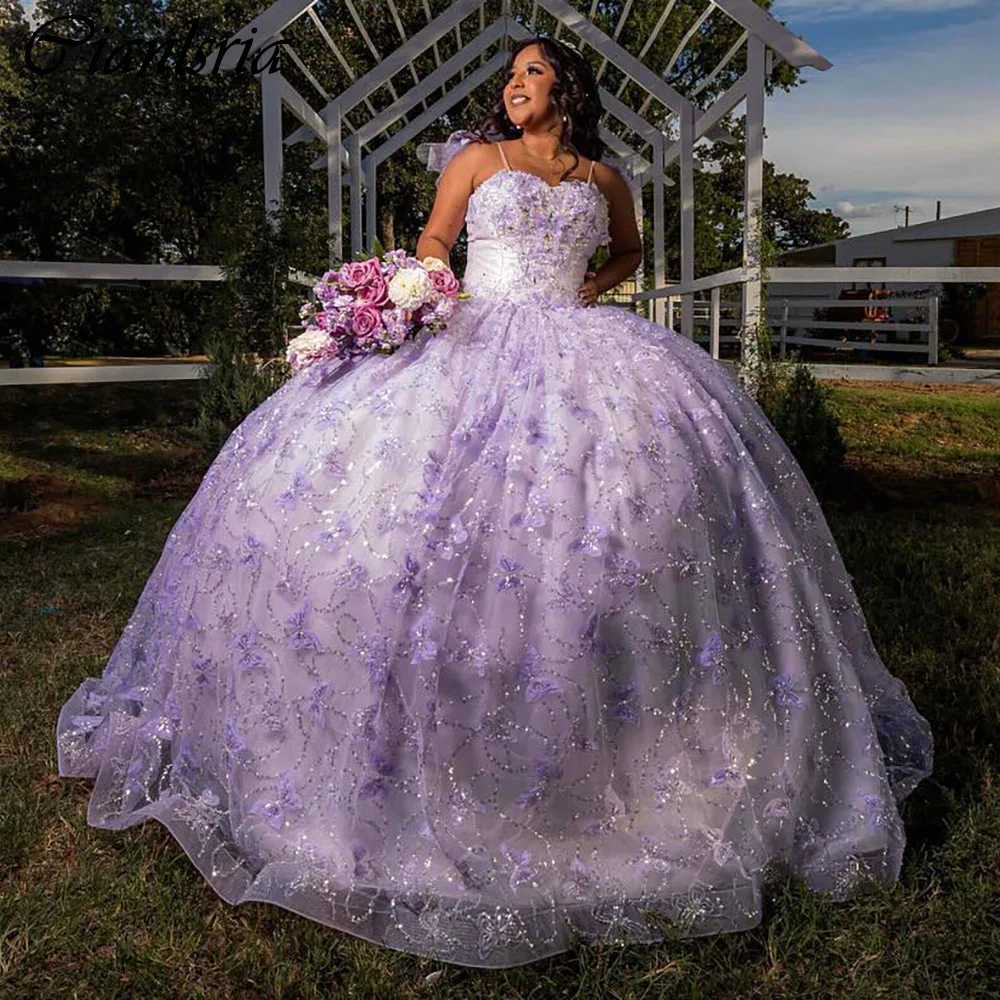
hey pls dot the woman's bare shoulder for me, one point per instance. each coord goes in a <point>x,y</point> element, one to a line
<point>613,185</point>
<point>473,159</point>
<point>607,175</point>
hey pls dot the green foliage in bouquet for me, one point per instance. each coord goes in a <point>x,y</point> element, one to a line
<point>379,251</point>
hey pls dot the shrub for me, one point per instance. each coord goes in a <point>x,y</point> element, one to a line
<point>233,385</point>
<point>798,406</point>
<point>246,343</point>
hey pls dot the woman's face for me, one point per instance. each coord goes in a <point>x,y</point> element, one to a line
<point>526,93</point>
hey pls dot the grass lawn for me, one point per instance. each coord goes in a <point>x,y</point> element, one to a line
<point>92,479</point>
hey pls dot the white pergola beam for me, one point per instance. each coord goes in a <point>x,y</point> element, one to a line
<point>366,85</point>
<point>380,122</point>
<point>659,234</point>
<point>270,85</point>
<point>428,117</point>
<point>317,86</point>
<point>619,57</point>
<point>332,45</point>
<point>434,44</point>
<point>371,47</point>
<point>681,45</point>
<point>399,58</point>
<point>262,29</point>
<point>431,82</point>
<point>723,63</point>
<point>773,34</point>
<point>334,185</point>
<point>654,34</point>
<point>402,36</point>
<point>706,122</point>
<point>616,35</point>
<point>299,107</point>
<point>687,215</point>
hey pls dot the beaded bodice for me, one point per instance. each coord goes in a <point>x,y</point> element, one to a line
<point>530,240</point>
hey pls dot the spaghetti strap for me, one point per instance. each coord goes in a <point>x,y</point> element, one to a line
<point>503,156</point>
<point>590,172</point>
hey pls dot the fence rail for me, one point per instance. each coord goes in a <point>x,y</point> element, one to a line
<point>63,270</point>
<point>709,312</point>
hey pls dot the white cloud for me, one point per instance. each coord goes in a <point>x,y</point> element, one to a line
<point>816,10</point>
<point>848,210</point>
<point>909,124</point>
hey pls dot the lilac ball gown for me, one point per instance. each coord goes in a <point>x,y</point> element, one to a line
<point>530,633</point>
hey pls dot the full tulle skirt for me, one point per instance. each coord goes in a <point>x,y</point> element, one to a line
<point>528,634</point>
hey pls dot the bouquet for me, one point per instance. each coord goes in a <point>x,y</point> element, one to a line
<point>374,305</point>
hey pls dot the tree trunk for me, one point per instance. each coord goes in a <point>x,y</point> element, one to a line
<point>387,227</point>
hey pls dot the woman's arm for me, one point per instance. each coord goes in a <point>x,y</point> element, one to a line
<point>448,214</point>
<point>625,246</point>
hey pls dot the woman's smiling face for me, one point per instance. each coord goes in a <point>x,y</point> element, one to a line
<point>526,94</point>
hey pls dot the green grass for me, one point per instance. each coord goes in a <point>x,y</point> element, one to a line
<point>96,914</point>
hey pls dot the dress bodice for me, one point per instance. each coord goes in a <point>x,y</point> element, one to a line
<point>530,240</point>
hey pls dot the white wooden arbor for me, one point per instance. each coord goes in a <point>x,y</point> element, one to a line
<point>353,153</point>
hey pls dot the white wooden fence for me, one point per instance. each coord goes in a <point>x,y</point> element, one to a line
<point>80,272</point>
<point>711,316</point>
<point>708,313</point>
<point>782,320</point>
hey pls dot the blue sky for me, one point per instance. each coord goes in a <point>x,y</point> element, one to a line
<point>909,113</point>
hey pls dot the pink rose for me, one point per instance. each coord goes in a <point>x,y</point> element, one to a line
<point>354,274</point>
<point>444,281</point>
<point>376,292</point>
<point>373,270</point>
<point>366,320</point>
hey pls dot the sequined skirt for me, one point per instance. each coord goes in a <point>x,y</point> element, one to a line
<point>532,633</point>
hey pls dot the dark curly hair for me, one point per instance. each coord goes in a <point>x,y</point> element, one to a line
<point>575,94</point>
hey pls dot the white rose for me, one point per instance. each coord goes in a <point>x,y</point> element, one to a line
<point>311,340</point>
<point>434,264</point>
<point>410,287</point>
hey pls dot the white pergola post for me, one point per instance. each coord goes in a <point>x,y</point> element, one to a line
<point>273,159</point>
<point>354,156</point>
<point>371,214</point>
<point>687,217</point>
<point>753,214</point>
<point>659,237</point>
<point>334,182</point>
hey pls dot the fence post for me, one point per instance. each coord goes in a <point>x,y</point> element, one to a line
<point>716,322</point>
<point>934,320</point>
<point>784,327</point>
<point>670,312</point>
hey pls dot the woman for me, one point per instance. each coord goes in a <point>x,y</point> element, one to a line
<point>531,632</point>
